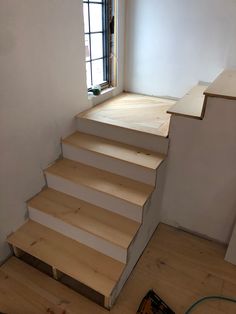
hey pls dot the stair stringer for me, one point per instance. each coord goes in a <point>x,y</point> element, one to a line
<point>151,219</point>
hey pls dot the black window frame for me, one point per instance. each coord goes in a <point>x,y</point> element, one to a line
<point>106,16</point>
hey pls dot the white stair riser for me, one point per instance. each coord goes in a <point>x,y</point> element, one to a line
<point>113,165</point>
<point>78,234</point>
<point>95,197</point>
<point>132,137</point>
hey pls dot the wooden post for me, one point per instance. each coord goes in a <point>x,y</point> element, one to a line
<point>56,273</point>
<point>17,252</point>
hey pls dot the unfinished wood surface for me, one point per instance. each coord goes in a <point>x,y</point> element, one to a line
<point>192,104</point>
<point>96,220</point>
<point>128,153</point>
<point>132,111</point>
<point>103,181</point>
<point>78,261</point>
<point>180,267</point>
<point>224,86</point>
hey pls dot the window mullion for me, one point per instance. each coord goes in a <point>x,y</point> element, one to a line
<point>90,46</point>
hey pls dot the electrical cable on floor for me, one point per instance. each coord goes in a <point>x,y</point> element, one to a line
<point>194,305</point>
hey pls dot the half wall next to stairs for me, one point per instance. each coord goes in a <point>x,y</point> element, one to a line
<point>200,187</point>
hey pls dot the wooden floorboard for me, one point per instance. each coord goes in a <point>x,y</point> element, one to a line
<point>180,267</point>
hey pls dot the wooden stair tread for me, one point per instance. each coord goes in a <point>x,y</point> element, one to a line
<point>103,181</point>
<point>115,149</point>
<point>224,86</point>
<point>192,104</point>
<point>96,220</point>
<point>93,269</point>
<point>28,289</point>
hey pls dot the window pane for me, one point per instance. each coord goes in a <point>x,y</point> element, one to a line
<point>88,73</point>
<point>97,46</point>
<point>98,1</point>
<point>86,19</point>
<point>95,17</point>
<point>97,67</point>
<point>87,48</point>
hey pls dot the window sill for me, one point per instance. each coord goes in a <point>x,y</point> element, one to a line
<point>105,94</point>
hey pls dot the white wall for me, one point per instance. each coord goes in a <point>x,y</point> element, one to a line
<point>200,189</point>
<point>42,87</point>
<point>171,45</point>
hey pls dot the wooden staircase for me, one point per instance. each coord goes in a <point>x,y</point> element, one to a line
<point>88,227</point>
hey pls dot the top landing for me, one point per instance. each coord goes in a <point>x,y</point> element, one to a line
<point>146,114</point>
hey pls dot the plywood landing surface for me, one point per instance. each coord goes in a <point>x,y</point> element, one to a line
<point>132,111</point>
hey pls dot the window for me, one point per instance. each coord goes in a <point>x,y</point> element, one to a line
<point>97,17</point>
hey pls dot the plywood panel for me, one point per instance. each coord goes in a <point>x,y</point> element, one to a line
<point>142,113</point>
<point>224,86</point>
<point>192,104</point>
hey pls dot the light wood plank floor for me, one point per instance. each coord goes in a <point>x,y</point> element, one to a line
<point>180,267</point>
<point>138,112</point>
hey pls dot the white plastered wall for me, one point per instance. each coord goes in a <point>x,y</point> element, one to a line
<point>171,45</point>
<point>200,188</point>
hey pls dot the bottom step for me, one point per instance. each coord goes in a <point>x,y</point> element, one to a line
<point>25,290</point>
<point>96,274</point>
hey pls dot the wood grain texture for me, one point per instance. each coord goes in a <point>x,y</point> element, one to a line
<point>192,104</point>
<point>128,153</point>
<point>96,220</point>
<point>179,266</point>
<point>103,181</point>
<point>224,86</point>
<point>86,265</point>
<point>142,113</point>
